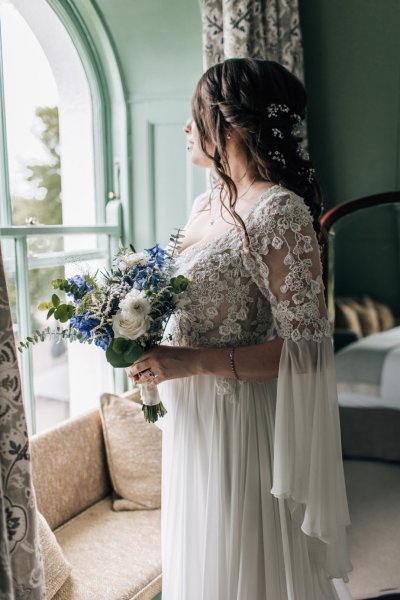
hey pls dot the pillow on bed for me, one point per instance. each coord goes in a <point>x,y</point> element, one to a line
<point>346,317</point>
<point>367,315</point>
<point>385,316</point>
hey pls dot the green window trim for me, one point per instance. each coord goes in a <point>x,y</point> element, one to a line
<point>111,178</point>
<point>94,44</point>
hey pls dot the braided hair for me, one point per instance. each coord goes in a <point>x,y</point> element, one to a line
<point>266,105</point>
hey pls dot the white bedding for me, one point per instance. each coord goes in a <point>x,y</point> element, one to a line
<point>368,371</point>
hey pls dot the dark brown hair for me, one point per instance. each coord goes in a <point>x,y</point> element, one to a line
<point>235,94</point>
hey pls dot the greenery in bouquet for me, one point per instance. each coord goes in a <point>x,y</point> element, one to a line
<point>124,310</point>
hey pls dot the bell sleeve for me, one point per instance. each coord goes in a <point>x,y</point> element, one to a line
<point>284,261</point>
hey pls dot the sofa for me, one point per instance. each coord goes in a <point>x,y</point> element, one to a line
<point>112,555</point>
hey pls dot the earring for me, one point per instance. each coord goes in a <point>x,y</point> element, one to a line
<point>228,136</point>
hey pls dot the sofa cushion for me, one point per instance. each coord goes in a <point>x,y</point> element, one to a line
<point>56,568</point>
<point>133,452</point>
<point>114,555</point>
<point>69,467</point>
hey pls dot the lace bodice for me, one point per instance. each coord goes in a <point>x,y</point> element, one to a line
<point>274,290</point>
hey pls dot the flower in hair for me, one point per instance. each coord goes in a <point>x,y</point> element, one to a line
<point>278,156</point>
<point>298,129</point>
<point>277,132</point>
<point>296,117</point>
<point>309,172</point>
<point>274,109</point>
<point>302,152</point>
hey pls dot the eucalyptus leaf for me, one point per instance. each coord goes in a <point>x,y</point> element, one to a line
<point>56,283</point>
<point>55,300</point>
<point>133,353</point>
<point>116,360</point>
<point>60,312</point>
<point>45,305</point>
<point>120,345</point>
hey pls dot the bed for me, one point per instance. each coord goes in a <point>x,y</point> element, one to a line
<point>361,244</point>
<point>368,381</point>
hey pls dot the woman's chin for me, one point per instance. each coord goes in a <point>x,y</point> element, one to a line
<point>200,161</point>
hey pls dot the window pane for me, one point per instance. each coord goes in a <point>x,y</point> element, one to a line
<point>62,387</point>
<point>48,118</point>
<point>61,383</point>
<point>8,253</point>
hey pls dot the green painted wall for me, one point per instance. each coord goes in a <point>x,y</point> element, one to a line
<point>367,255</point>
<point>159,45</point>
<point>352,76</point>
<point>160,51</point>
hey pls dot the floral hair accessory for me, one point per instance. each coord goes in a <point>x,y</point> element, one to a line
<point>302,152</point>
<point>310,172</point>
<point>277,132</point>
<point>274,109</point>
<point>278,156</point>
<point>297,130</point>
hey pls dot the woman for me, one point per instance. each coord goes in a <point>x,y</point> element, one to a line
<point>253,497</point>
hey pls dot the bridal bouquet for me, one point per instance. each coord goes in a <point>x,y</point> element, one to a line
<point>124,310</point>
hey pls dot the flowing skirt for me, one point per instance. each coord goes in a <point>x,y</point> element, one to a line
<point>224,535</point>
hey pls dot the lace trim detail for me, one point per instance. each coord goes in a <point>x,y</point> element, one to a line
<point>244,299</point>
<point>287,251</point>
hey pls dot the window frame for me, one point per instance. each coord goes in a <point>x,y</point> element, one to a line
<point>109,109</point>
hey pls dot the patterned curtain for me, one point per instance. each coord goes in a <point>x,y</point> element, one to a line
<point>21,562</point>
<point>268,29</point>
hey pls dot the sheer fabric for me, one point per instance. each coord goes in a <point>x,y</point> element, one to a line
<point>254,503</point>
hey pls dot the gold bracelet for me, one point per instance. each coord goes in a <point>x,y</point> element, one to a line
<point>233,363</point>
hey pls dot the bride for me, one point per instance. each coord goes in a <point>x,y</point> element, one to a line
<point>253,498</point>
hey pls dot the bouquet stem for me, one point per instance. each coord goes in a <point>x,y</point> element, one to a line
<point>152,406</point>
<point>151,413</point>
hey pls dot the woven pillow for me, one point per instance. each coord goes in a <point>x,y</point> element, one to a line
<point>371,306</point>
<point>133,448</point>
<point>367,316</point>
<point>56,568</point>
<point>385,315</point>
<point>347,317</point>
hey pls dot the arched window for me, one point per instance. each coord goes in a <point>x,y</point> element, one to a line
<point>56,193</point>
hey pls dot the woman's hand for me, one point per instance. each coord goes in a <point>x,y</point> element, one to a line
<point>259,361</point>
<point>166,362</point>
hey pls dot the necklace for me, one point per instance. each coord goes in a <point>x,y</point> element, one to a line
<point>212,217</point>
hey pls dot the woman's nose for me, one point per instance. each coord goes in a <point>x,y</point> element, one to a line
<point>188,126</point>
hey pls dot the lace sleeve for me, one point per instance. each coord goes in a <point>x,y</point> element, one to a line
<point>284,262</point>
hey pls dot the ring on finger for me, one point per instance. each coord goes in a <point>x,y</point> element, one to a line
<point>149,371</point>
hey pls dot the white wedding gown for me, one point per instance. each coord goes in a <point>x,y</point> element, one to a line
<point>253,498</point>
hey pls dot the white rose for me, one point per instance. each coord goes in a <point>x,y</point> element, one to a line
<point>132,320</point>
<point>130,260</point>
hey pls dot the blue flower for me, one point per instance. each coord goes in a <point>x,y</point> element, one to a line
<point>103,342</point>
<point>81,287</point>
<point>84,324</point>
<point>156,254</point>
<point>105,337</point>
